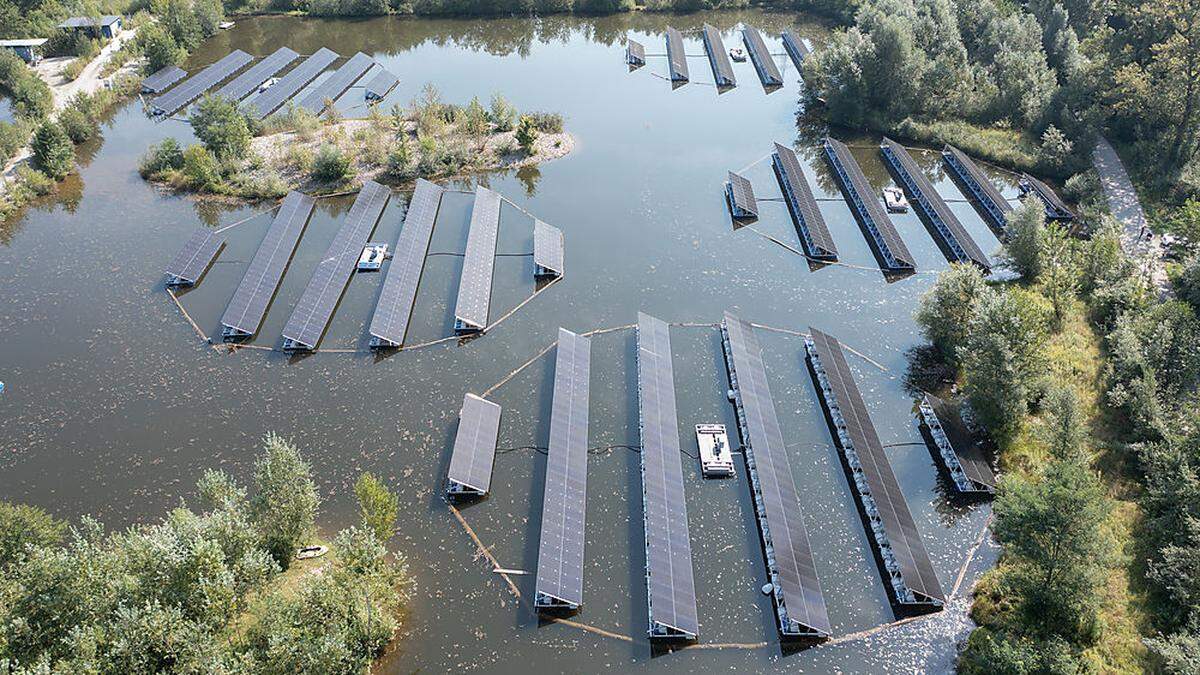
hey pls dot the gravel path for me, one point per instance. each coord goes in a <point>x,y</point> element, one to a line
<point>1136,238</point>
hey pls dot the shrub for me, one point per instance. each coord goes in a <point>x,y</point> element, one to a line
<point>527,134</point>
<point>221,127</point>
<point>475,118</point>
<point>76,125</point>
<point>161,157</point>
<point>12,139</point>
<point>35,181</point>
<point>549,123</point>
<point>946,310</point>
<point>200,168</point>
<point>299,158</point>
<point>52,150</point>
<point>1026,240</point>
<point>503,114</point>
<point>25,527</point>
<point>377,506</point>
<point>159,48</point>
<point>1188,283</point>
<point>331,164</point>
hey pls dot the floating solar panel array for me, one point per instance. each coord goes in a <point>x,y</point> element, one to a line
<point>806,216</point>
<point>312,313</point>
<point>670,587</point>
<point>243,85</point>
<point>907,566</point>
<point>564,504</point>
<point>893,254</point>
<point>245,312</point>
<point>635,53</point>
<point>1056,208</point>
<point>796,49</point>
<point>953,238</point>
<point>795,588</point>
<point>194,258</point>
<point>718,58</point>
<point>547,250</point>
<point>389,324</point>
<point>676,57</point>
<point>739,193</point>
<point>179,97</point>
<point>290,84</point>
<point>962,458</point>
<point>161,80</point>
<point>474,447</point>
<point>992,206</point>
<point>768,72</point>
<point>475,287</point>
<point>336,84</point>
<point>379,83</point>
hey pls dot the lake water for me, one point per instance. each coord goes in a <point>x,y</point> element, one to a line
<point>113,405</point>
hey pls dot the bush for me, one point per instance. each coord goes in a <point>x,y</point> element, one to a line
<point>1188,283</point>
<point>331,164</point>
<point>1026,241</point>
<point>946,310</point>
<point>164,156</point>
<point>76,125</point>
<point>31,96</point>
<point>23,528</point>
<point>549,123</point>
<point>12,139</point>
<point>53,151</point>
<point>159,48</point>
<point>221,127</point>
<point>200,169</point>
<point>503,114</point>
<point>527,134</point>
<point>377,506</point>
<point>35,181</point>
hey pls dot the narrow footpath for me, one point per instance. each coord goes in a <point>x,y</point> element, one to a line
<point>1136,238</point>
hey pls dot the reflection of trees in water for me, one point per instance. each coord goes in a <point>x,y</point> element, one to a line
<point>529,177</point>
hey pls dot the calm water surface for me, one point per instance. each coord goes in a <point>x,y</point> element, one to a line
<point>114,407</point>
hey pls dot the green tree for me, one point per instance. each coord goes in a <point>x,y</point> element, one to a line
<point>1065,425</point>
<point>285,502</point>
<point>503,114</point>
<point>945,311</point>
<point>1187,285</point>
<point>222,128</point>
<point>1026,240</point>
<point>377,506</point>
<point>331,164</point>
<point>159,48</point>
<point>53,151</point>
<point>201,168</point>
<point>23,528</point>
<point>527,134</point>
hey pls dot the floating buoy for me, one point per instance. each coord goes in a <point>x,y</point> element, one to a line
<point>767,588</point>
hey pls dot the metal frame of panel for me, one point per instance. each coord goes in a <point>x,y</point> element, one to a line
<point>315,308</point>
<point>194,259</point>
<point>800,610</point>
<point>806,215</point>
<point>246,309</point>
<point>670,586</point>
<point>547,250</point>
<point>243,85</point>
<point>968,469</point>
<point>768,72</point>
<point>559,583</point>
<point>470,472</point>
<point>954,240</point>
<point>336,84</point>
<point>479,262</point>
<point>676,57</point>
<point>290,84</point>
<point>991,205</point>
<point>635,53</point>
<point>906,563</point>
<point>162,79</point>
<point>796,49</point>
<point>718,58</point>
<point>379,83</point>
<point>389,323</point>
<point>871,217</point>
<point>740,195</point>
<point>180,96</point>
<point>1056,208</point>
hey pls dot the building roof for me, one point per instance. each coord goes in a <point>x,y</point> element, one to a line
<point>89,21</point>
<point>27,42</point>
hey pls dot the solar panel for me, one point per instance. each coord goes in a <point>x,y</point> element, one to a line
<point>670,588</point>
<point>806,215</point>
<point>179,97</point>
<point>718,58</point>
<point>954,239</point>
<point>241,86</point>
<point>871,217</point>
<point>676,58</point>
<point>474,447</point>
<point>337,83</point>
<point>193,259</point>
<point>394,308</point>
<point>740,195</point>
<point>379,82</point>
<point>564,502</point>
<point>475,287</point>
<point>796,590</point>
<point>903,552</point>
<point>162,79</point>
<point>635,53</point>
<point>290,84</point>
<point>955,445</point>
<point>245,312</point>
<point>315,307</point>
<point>1056,208</point>
<point>547,249</point>
<point>768,72</point>
<point>796,48</point>
<point>991,205</point>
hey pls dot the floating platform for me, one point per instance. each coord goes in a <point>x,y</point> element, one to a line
<point>266,103</point>
<point>872,218</point>
<point>635,53</point>
<point>248,82</point>
<point>740,196</point>
<point>991,205</point>
<point>182,95</point>
<point>806,215</point>
<point>799,603</point>
<point>330,90</point>
<point>479,262</point>
<point>676,58</point>
<point>954,446</point>
<point>389,323</point>
<point>162,80</point>
<point>474,450</point>
<point>548,251</point>
<point>796,48</point>
<point>716,457</point>
<point>559,585</point>
<point>954,240</point>
<point>1056,208</point>
<point>670,587</point>
<point>906,565</point>
<point>718,58</point>
<point>194,259</point>
<point>379,83</point>
<point>760,55</point>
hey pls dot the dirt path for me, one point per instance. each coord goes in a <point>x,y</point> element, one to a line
<point>1136,238</point>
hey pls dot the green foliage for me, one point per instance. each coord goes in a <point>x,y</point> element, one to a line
<point>946,310</point>
<point>222,128</point>
<point>1187,284</point>
<point>159,48</point>
<point>503,114</point>
<point>1056,149</point>
<point>549,123</point>
<point>161,157</point>
<point>35,181</point>
<point>200,169</point>
<point>12,139</point>
<point>527,134</point>
<point>31,96</point>
<point>331,164</point>
<point>989,653</point>
<point>53,151</point>
<point>475,118</point>
<point>285,503</point>
<point>1026,242</point>
<point>1066,432</point>
<point>76,121</point>
<point>1179,652</point>
<point>23,528</point>
<point>377,506</point>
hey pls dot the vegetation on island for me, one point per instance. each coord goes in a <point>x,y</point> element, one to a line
<point>215,588</point>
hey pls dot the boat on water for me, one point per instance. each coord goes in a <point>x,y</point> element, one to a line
<point>894,199</point>
<point>737,54</point>
<point>225,25</point>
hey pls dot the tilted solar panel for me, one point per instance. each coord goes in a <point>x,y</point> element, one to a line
<point>194,258</point>
<point>1056,208</point>
<point>162,79</point>
<point>564,503</point>
<point>290,84</point>
<point>379,82</point>
<point>741,197</point>
<point>768,72</point>
<point>635,53</point>
<point>337,83</point>
<point>718,58</point>
<point>389,324</point>
<point>475,287</point>
<point>670,587</point>
<point>796,49</point>
<point>474,447</point>
<point>547,249</point>
<point>806,215</point>
<point>190,90</point>
<point>874,221</point>
<point>241,86</point>
<point>676,58</point>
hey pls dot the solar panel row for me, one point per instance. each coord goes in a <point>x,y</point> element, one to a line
<point>241,86</point>
<point>389,324</point>
<point>635,53</point>
<point>961,456</point>
<point>315,307</point>
<point>718,58</point>
<point>475,287</point>
<point>880,231</point>
<point>991,205</point>
<point>564,503</point>
<point>162,79</point>
<point>795,48</point>
<point>676,58</point>
<point>1056,208</point>
<point>670,587</point>
<point>768,72</point>
<point>186,268</point>
<point>290,84</point>
<point>245,312</point>
<point>379,82</point>
<point>796,590</point>
<point>740,194</point>
<point>179,97</point>
<point>806,215</point>
<point>336,84</point>
<point>547,249</point>
<point>474,447</point>
<point>902,550</point>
